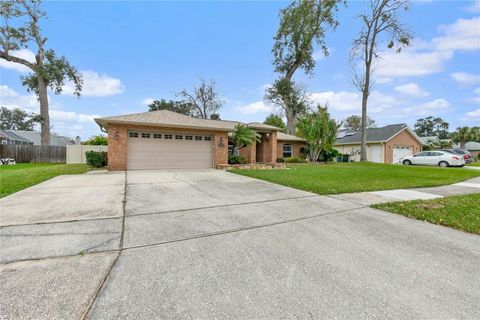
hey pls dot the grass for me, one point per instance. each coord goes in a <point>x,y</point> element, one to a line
<point>458,212</point>
<point>359,176</point>
<point>474,164</point>
<point>14,178</point>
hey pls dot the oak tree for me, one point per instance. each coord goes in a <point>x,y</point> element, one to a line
<point>19,29</point>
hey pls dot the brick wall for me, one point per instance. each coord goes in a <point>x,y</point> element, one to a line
<point>250,153</point>
<point>118,140</point>
<point>405,139</point>
<point>296,146</point>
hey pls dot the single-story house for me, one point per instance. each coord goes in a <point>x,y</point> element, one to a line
<point>168,140</point>
<point>9,137</point>
<point>472,146</point>
<point>385,145</point>
<point>35,138</point>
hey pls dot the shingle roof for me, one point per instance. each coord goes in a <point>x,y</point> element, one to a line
<point>35,137</point>
<point>470,146</point>
<point>168,118</point>
<point>261,126</point>
<point>12,136</point>
<point>373,134</point>
<point>288,137</point>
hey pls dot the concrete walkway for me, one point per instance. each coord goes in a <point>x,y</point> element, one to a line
<point>208,244</point>
<point>374,197</point>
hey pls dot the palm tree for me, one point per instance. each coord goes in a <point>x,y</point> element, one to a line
<point>242,137</point>
<point>319,130</point>
<point>463,135</point>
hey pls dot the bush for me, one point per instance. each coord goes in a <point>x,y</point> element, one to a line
<point>236,159</point>
<point>280,160</point>
<point>294,160</point>
<point>96,159</point>
<point>328,155</point>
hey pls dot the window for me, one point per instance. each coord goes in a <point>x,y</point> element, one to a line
<point>421,154</point>
<point>145,135</point>
<point>167,136</point>
<point>207,138</point>
<point>133,134</point>
<point>287,151</point>
<point>157,136</point>
<point>188,137</point>
<point>178,137</point>
<point>198,138</point>
<point>230,150</point>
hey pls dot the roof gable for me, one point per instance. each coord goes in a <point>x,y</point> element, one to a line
<point>381,134</point>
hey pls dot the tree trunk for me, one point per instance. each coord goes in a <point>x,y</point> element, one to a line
<point>363,149</point>
<point>291,121</point>
<point>45,118</point>
<point>462,144</point>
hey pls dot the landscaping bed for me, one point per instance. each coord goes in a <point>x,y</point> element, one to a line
<point>14,178</point>
<point>359,176</point>
<point>458,212</point>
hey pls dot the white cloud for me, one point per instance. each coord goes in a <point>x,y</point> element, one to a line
<point>472,115</point>
<point>147,101</point>
<point>254,107</point>
<point>474,7</point>
<point>345,101</point>
<point>412,89</point>
<point>22,53</point>
<point>63,122</point>
<point>97,85</point>
<point>476,98</point>
<point>466,78</point>
<point>429,57</point>
<point>464,34</point>
<point>410,63</point>
<point>426,109</point>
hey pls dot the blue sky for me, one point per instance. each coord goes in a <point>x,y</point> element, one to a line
<point>131,52</point>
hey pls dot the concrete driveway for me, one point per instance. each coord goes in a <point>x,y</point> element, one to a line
<point>213,245</point>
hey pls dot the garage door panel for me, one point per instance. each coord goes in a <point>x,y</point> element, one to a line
<point>401,151</point>
<point>153,153</point>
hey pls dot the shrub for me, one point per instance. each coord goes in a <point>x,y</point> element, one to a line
<point>96,159</point>
<point>280,160</point>
<point>294,160</point>
<point>329,154</point>
<point>236,159</point>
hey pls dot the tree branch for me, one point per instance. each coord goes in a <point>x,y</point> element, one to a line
<point>6,56</point>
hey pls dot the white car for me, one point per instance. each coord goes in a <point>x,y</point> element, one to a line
<point>434,158</point>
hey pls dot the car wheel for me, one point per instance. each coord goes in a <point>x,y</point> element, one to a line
<point>443,164</point>
<point>407,162</point>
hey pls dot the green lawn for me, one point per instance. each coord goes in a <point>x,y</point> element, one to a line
<point>474,164</point>
<point>459,212</point>
<point>23,175</point>
<point>356,177</point>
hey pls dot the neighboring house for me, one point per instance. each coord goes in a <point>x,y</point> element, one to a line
<point>168,140</point>
<point>472,146</point>
<point>432,141</point>
<point>385,145</point>
<point>35,138</point>
<point>8,137</point>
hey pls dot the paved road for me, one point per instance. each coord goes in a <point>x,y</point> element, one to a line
<point>209,244</point>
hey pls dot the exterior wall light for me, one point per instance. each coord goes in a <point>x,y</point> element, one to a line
<point>117,134</point>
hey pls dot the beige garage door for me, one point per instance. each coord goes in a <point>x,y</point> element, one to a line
<point>166,150</point>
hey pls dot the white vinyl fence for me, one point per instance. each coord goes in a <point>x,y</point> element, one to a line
<point>76,152</point>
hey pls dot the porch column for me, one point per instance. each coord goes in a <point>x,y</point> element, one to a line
<point>270,147</point>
